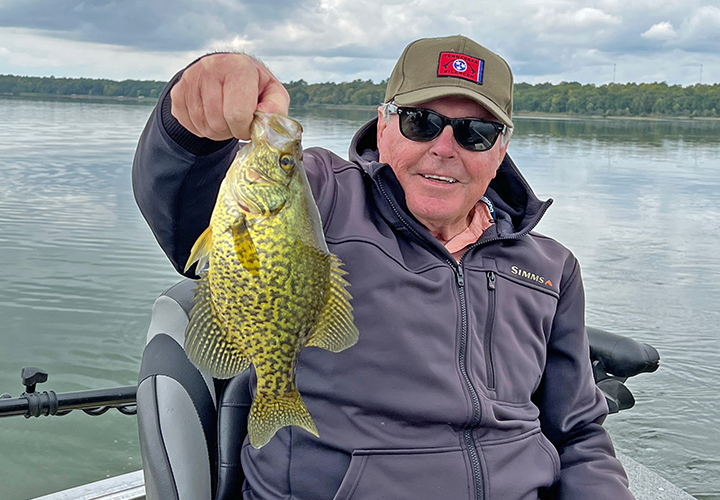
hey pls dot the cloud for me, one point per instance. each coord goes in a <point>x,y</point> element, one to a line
<point>341,40</point>
<point>701,31</point>
<point>153,25</point>
<point>660,31</point>
<point>41,53</point>
<point>575,20</point>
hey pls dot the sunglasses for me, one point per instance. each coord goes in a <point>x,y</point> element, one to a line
<point>423,125</point>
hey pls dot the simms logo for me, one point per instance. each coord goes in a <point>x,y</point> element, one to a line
<point>532,276</point>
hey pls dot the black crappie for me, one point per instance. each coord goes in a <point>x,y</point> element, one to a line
<point>272,287</point>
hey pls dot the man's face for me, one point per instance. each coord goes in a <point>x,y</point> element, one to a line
<point>442,180</point>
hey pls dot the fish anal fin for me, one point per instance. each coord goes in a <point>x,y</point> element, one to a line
<point>200,251</point>
<point>206,343</point>
<point>269,413</point>
<point>245,247</point>
<point>335,330</point>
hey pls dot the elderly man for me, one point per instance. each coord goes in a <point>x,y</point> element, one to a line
<point>471,378</point>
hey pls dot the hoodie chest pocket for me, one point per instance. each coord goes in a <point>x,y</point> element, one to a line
<point>512,322</point>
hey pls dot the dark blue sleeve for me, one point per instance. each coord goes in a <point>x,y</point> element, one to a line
<point>176,177</point>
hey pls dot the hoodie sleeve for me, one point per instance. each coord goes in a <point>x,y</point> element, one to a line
<point>572,408</point>
<point>176,177</point>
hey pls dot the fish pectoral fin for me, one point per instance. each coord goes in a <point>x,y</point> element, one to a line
<point>245,246</point>
<point>335,330</point>
<point>200,251</point>
<point>269,413</point>
<point>206,343</point>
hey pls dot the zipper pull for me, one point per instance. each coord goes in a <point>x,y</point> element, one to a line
<point>460,276</point>
<point>491,280</point>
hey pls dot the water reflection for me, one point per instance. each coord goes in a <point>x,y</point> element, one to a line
<point>637,201</point>
<point>606,130</point>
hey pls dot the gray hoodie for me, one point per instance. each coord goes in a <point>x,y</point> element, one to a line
<point>470,380</point>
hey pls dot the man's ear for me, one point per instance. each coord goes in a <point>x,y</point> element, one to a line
<point>381,124</point>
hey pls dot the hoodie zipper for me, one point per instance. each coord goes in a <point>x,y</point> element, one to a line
<point>489,328</point>
<point>458,269</point>
<point>477,410</point>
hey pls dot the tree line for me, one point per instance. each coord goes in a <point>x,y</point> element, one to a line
<point>49,85</point>
<point>628,99</point>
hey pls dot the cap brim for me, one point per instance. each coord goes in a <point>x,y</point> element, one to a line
<point>423,95</point>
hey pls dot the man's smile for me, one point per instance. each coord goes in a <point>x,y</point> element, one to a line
<point>439,178</point>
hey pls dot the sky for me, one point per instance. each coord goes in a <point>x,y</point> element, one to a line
<point>589,41</point>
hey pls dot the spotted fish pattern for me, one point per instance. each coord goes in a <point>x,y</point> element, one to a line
<point>269,286</point>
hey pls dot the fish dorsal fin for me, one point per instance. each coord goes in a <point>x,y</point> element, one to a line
<point>335,330</point>
<point>200,252</point>
<point>207,344</point>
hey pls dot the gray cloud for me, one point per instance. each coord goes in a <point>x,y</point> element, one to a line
<point>340,40</point>
<point>173,25</point>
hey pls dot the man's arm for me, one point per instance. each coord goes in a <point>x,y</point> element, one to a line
<point>572,409</point>
<point>189,143</point>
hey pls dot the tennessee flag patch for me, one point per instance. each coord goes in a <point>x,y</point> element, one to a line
<point>461,66</point>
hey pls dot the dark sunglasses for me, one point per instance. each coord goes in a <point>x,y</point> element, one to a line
<point>423,125</point>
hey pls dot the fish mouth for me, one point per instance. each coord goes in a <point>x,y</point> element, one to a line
<point>439,178</point>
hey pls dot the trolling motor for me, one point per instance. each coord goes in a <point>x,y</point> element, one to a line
<point>46,403</point>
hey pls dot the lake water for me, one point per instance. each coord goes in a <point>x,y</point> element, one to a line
<point>637,201</point>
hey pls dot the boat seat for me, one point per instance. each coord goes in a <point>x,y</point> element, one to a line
<point>192,426</point>
<point>615,359</point>
<point>622,356</point>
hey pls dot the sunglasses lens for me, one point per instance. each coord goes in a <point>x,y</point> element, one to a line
<point>476,135</point>
<point>420,124</point>
<point>423,125</point>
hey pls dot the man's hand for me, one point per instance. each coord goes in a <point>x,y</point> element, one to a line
<point>217,96</point>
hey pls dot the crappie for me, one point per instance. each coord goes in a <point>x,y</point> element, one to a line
<point>272,287</point>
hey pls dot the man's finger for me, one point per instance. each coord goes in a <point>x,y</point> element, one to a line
<point>211,92</point>
<point>274,98</point>
<point>196,107</point>
<point>239,104</point>
<point>179,109</point>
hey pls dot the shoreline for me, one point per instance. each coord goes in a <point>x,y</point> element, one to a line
<point>534,115</point>
<point>31,96</point>
<point>523,115</point>
<point>567,116</point>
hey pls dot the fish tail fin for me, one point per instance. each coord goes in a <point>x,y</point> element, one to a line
<point>270,413</point>
<point>200,251</point>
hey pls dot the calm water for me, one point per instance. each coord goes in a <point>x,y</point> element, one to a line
<point>638,202</point>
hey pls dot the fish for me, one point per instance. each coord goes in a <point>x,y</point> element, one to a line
<point>269,286</point>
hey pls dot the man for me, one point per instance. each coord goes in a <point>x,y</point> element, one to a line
<point>471,378</point>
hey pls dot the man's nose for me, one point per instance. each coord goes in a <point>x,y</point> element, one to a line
<point>445,145</point>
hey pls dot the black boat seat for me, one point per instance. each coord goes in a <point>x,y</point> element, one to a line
<point>621,356</point>
<point>192,426</point>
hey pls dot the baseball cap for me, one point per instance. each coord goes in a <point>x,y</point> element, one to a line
<point>431,68</point>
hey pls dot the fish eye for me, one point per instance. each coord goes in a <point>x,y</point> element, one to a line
<point>287,162</point>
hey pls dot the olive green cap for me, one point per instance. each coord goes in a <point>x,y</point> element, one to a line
<point>431,68</point>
